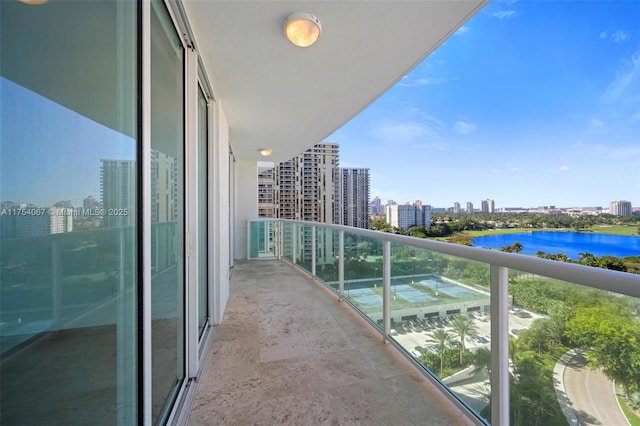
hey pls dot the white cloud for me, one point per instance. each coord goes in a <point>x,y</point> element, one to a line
<point>505,14</point>
<point>561,169</point>
<point>603,34</point>
<point>425,81</point>
<point>462,30</point>
<point>619,36</point>
<point>624,78</point>
<point>463,127</point>
<point>407,133</point>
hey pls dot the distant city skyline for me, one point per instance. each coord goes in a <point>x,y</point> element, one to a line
<point>529,103</point>
<point>477,204</point>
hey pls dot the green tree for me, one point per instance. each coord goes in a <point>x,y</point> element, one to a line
<point>515,247</point>
<point>440,339</point>
<point>538,337</point>
<point>482,361</point>
<point>463,326</point>
<point>612,337</point>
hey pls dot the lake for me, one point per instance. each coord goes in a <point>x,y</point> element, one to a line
<point>569,243</point>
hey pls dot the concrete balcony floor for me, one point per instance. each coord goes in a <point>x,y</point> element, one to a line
<point>288,352</point>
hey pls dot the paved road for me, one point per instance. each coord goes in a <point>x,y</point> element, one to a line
<point>591,395</point>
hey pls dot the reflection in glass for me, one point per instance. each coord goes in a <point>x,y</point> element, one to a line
<point>167,212</point>
<point>68,193</point>
<point>203,292</point>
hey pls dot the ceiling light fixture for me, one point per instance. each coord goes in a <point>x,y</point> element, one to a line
<point>302,29</point>
<point>34,2</point>
<point>265,152</point>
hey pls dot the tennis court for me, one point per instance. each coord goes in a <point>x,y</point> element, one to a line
<point>447,288</point>
<point>365,297</point>
<point>410,294</point>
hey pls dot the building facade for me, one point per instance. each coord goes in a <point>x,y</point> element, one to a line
<point>266,191</point>
<point>307,186</point>
<point>375,207</point>
<point>354,197</point>
<point>118,192</point>
<point>620,208</point>
<point>488,206</point>
<point>404,216</point>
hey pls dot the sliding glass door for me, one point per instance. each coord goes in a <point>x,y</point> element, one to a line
<point>203,211</point>
<point>68,216</point>
<point>167,212</point>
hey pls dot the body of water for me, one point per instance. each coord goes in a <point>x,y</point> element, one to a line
<point>569,243</point>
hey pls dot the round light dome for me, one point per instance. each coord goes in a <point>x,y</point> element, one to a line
<point>302,29</point>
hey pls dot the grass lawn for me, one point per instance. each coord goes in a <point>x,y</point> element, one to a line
<point>500,231</point>
<point>597,229</point>
<point>615,229</point>
<point>631,415</point>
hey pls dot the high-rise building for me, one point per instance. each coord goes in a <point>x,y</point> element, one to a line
<point>375,207</point>
<point>404,216</point>
<point>306,186</point>
<point>620,208</point>
<point>164,187</point>
<point>90,202</point>
<point>118,192</point>
<point>456,207</point>
<point>266,190</point>
<point>488,206</point>
<point>469,207</point>
<point>354,192</point>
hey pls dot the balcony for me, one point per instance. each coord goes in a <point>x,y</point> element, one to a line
<point>289,352</point>
<point>411,292</point>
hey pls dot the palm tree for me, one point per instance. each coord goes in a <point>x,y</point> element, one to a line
<point>463,326</point>
<point>482,361</point>
<point>584,255</point>
<point>441,339</point>
<point>516,247</point>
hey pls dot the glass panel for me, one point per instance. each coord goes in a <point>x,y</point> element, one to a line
<point>287,240</point>
<point>327,256</point>
<point>440,314</point>
<point>302,244</point>
<point>553,324</point>
<point>167,211</point>
<point>363,274</point>
<point>262,236</point>
<point>68,165</point>
<point>203,228</point>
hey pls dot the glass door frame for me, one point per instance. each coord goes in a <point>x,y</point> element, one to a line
<point>195,343</point>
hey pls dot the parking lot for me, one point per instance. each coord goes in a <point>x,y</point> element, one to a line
<point>414,334</point>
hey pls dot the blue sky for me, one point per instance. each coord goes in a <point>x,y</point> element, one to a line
<point>57,159</point>
<point>530,103</point>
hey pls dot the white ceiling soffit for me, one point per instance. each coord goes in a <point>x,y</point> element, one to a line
<point>279,96</point>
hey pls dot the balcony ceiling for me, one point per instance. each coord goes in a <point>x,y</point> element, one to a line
<point>279,96</point>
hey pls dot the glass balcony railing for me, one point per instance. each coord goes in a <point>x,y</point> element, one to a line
<point>489,328</point>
